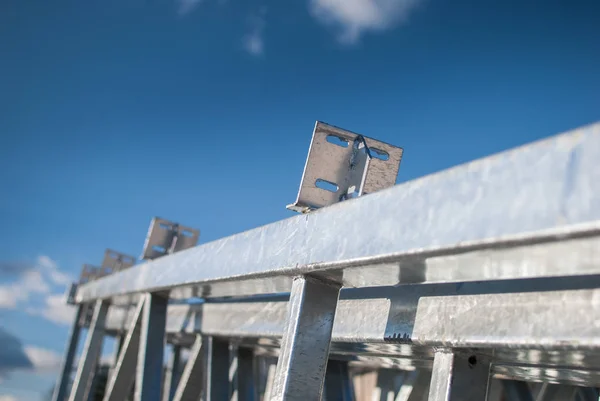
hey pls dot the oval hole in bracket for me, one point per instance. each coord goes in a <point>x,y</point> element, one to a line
<point>159,249</point>
<point>326,185</point>
<point>337,140</point>
<point>379,154</point>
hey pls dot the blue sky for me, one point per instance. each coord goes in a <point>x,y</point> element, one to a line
<point>114,111</point>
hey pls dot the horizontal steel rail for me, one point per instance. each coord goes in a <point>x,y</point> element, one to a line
<point>490,270</point>
<point>542,192</point>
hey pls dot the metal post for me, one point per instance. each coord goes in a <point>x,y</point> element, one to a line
<point>90,393</point>
<point>216,370</point>
<point>65,372</point>
<point>189,387</point>
<point>120,382</point>
<point>338,386</point>
<point>173,374</point>
<point>119,342</point>
<point>152,341</point>
<point>459,377</point>
<point>272,368</point>
<point>91,352</point>
<point>305,345</point>
<point>246,390</point>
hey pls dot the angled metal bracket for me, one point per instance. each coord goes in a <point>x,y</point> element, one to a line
<point>342,165</point>
<point>121,381</point>
<point>116,261</point>
<point>113,262</point>
<point>89,273</point>
<point>165,237</point>
<point>70,294</point>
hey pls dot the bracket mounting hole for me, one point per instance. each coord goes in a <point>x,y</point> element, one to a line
<point>337,140</point>
<point>326,185</point>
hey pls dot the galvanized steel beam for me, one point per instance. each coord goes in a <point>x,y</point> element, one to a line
<point>458,376</point>
<point>190,386</point>
<point>306,339</point>
<point>121,381</point>
<point>91,352</point>
<point>151,348</point>
<point>60,391</point>
<point>543,192</point>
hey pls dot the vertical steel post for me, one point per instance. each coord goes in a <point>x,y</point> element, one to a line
<point>172,374</point>
<point>305,345</point>
<point>152,341</point>
<point>121,381</point>
<point>91,352</point>
<point>459,377</point>
<point>67,365</point>
<point>216,369</point>
<point>189,387</point>
<point>272,368</point>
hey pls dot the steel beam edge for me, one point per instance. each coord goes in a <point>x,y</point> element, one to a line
<point>539,192</point>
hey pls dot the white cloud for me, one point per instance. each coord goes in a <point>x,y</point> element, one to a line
<point>55,309</point>
<point>51,268</point>
<point>44,278</point>
<point>354,17</point>
<point>43,360</point>
<point>7,397</point>
<point>254,40</point>
<point>31,282</point>
<point>8,298</point>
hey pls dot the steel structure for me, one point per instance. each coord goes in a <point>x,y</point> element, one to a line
<point>479,282</point>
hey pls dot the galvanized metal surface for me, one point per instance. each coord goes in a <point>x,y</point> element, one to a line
<point>121,381</point>
<point>116,261</point>
<point>165,237</point>
<point>60,391</point>
<point>189,387</point>
<point>306,338</point>
<point>459,377</point>
<point>172,373</point>
<point>542,192</point>
<point>329,161</point>
<point>91,352</point>
<point>488,270</point>
<point>152,341</point>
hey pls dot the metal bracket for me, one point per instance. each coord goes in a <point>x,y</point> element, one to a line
<point>89,273</point>
<point>341,165</point>
<point>166,237</point>
<point>116,261</point>
<point>72,290</point>
<point>113,262</point>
